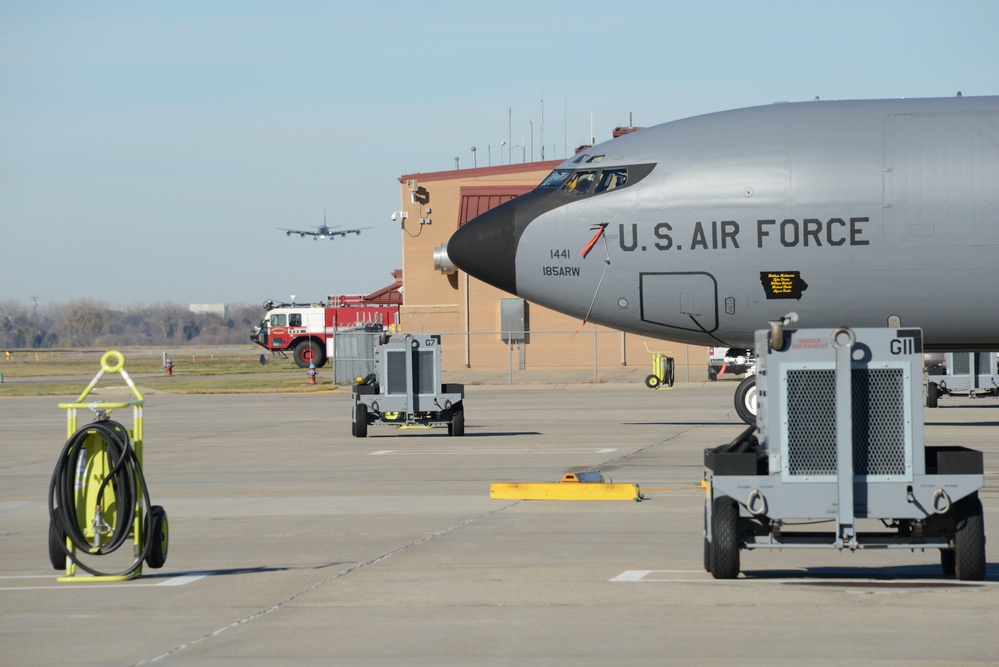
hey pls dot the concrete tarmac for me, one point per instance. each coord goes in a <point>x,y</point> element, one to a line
<point>291,542</point>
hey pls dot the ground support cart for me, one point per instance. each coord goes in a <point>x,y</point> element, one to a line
<point>405,389</point>
<point>839,441</point>
<point>662,369</point>
<point>972,373</point>
<point>98,497</point>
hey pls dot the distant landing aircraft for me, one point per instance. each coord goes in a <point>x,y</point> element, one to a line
<point>323,231</point>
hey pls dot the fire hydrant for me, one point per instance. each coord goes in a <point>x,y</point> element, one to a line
<point>312,373</point>
<point>168,365</point>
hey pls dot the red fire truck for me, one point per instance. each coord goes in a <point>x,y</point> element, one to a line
<point>307,330</point>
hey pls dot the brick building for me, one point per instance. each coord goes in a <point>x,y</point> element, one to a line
<point>469,312</point>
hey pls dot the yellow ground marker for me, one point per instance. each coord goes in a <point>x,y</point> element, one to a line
<point>573,486</point>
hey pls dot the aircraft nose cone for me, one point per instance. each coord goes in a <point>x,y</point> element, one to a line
<point>486,247</point>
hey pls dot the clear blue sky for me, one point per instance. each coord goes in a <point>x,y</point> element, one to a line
<point>148,150</point>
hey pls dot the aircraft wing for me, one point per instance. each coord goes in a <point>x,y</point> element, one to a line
<point>344,232</point>
<point>301,232</point>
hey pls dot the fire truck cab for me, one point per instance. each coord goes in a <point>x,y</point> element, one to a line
<point>304,330</point>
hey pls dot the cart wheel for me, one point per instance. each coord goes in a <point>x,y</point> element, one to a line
<point>947,562</point>
<point>668,380</point>
<point>57,542</point>
<point>456,426</point>
<point>932,394</point>
<point>652,382</point>
<point>745,400</point>
<point>969,540</point>
<point>359,427</point>
<point>159,534</point>
<point>707,542</point>
<point>725,538</point>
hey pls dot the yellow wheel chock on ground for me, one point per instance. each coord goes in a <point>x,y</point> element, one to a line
<point>574,486</point>
<point>98,496</point>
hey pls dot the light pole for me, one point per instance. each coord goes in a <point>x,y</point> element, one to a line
<point>474,163</point>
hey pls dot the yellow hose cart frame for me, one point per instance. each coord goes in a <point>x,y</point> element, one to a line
<point>662,369</point>
<point>93,489</point>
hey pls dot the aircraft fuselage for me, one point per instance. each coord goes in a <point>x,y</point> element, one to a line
<point>859,213</point>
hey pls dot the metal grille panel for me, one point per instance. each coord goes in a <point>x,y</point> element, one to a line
<point>424,370</point>
<point>878,421</point>
<point>395,362</point>
<point>811,422</point>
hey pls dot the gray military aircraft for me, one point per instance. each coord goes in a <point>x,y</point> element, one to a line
<point>859,213</point>
<point>323,231</point>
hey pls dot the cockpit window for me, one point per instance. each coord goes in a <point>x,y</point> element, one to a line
<point>610,179</point>
<point>595,181</point>
<point>554,179</point>
<point>579,183</point>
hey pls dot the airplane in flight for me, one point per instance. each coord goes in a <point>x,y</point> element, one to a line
<point>862,213</point>
<point>323,231</point>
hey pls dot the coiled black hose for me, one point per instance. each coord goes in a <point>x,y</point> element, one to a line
<point>125,479</point>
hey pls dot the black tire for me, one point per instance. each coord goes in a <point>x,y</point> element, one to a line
<point>932,394</point>
<point>707,542</point>
<point>309,352</point>
<point>652,382</point>
<point>969,540</point>
<point>359,427</point>
<point>725,538</point>
<point>947,562</point>
<point>57,542</point>
<point>668,379</point>
<point>745,400</point>
<point>456,427</point>
<point>712,375</point>
<point>158,534</point>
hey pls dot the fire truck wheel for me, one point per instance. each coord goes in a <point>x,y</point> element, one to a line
<point>360,425</point>
<point>309,352</point>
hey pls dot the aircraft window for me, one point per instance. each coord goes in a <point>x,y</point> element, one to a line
<point>610,179</point>
<point>579,183</point>
<point>294,319</point>
<point>596,159</point>
<point>278,320</point>
<point>554,179</point>
<point>581,157</point>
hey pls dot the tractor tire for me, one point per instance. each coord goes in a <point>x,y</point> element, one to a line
<point>158,532</point>
<point>359,427</point>
<point>57,541</point>
<point>725,538</point>
<point>932,394</point>
<point>456,427</point>
<point>969,540</point>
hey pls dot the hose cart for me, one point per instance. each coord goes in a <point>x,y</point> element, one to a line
<point>98,497</point>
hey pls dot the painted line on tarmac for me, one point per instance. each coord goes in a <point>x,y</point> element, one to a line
<point>181,580</point>
<point>665,577</point>
<point>448,452</point>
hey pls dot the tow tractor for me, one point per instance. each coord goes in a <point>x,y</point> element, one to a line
<point>839,440</point>
<point>405,389</point>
